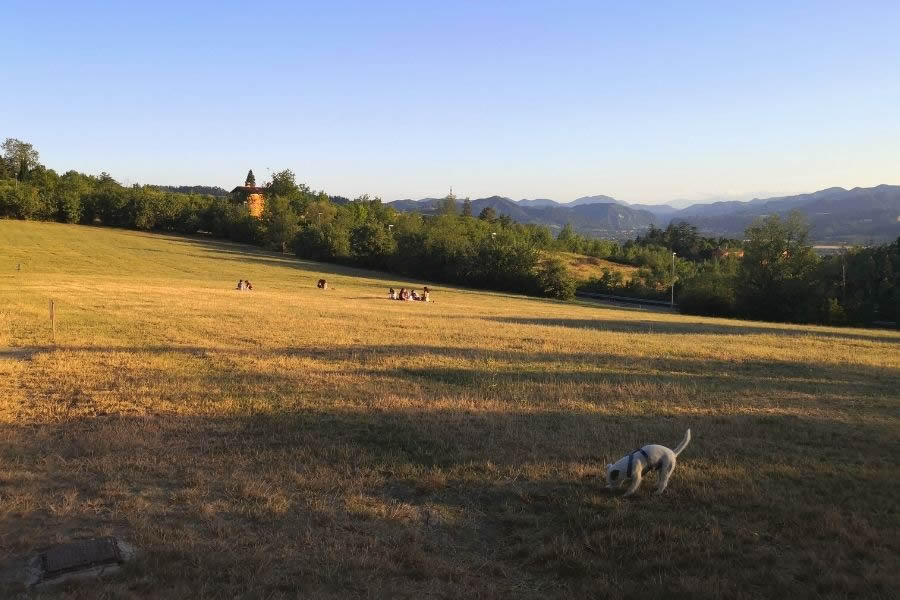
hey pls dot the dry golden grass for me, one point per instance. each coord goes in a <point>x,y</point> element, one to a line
<point>584,267</point>
<point>292,442</point>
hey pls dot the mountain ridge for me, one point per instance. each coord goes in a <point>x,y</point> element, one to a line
<point>835,214</point>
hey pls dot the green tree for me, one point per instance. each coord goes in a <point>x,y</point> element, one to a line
<point>568,239</point>
<point>319,213</point>
<point>554,280</point>
<point>280,222</point>
<point>105,179</point>
<point>67,196</point>
<point>467,208</point>
<point>145,209</point>
<point>251,179</point>
<point>284,183</point>
<point>775,280</point>
<point>328,242</point>
<point>488,214</point>
<point>371,245</point>
<point>448,205</point>
<point>20,202</point>
<point>20,157</point>
<point>866,282</point>
<point>711,290</point>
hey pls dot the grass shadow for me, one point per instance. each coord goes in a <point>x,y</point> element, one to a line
<point>454,500</point>
<point>686,328</point>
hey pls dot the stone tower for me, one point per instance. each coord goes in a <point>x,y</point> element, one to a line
<point>251,196</point>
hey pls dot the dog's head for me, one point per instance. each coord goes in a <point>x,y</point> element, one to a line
<point>613,476</point>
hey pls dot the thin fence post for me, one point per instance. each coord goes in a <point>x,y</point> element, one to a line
<point>53,318</point>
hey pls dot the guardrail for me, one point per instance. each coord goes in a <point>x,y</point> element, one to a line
<point>625,299</point>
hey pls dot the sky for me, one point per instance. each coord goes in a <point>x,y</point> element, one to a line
<point>646,102</point>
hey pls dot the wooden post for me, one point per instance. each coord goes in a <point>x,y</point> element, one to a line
<point>53,318</point>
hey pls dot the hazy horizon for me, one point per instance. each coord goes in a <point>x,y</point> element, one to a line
<point>649,105</point>
<point>675,203</point>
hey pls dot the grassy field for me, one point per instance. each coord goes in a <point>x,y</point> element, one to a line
<point>290,442</point>
<point>584,267</point>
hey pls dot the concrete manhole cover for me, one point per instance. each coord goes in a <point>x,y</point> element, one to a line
<point>78,560</point>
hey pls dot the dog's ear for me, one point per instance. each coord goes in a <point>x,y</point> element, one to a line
<point>614,474</point>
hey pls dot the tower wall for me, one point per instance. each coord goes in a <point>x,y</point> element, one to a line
<point>255,204</point>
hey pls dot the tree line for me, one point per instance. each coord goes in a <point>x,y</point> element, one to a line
<point>778,278</point>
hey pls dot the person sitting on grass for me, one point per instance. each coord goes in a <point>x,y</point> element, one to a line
<point>404,295</point>
<point>392,294</point>
<point>322,284</point>
<point>240,284</point>
<point>414,295</point>
<point>248,284</point>
<point>425,294</point>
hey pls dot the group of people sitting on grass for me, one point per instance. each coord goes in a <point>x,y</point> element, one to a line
<point>405,294</point>
<point>244,285</point>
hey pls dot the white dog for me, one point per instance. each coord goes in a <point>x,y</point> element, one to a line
<point>640,462</point>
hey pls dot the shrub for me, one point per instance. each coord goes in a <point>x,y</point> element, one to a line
<point>710,295</point>
<point>834,313</point>
<point>554,280</point>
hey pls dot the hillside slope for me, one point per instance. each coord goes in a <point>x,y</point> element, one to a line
<point>337,444</point>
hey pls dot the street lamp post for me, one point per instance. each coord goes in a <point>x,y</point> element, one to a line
<point>673,280</point>
<point>844,279</point>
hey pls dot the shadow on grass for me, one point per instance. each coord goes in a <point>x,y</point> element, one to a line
<point>683,328</point>
<point>481,367</point>
<point>459,501</point>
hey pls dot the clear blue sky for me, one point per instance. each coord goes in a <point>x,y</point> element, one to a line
<point>645,103</point>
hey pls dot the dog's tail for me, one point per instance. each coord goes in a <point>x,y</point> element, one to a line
<point>684,442</point>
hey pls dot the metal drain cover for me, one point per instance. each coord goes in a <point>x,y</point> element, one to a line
<point>78,560</point>
<point>77,556</point>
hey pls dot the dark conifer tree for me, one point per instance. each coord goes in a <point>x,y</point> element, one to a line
<point>488,214</point>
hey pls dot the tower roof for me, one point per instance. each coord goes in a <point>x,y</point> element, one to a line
<point>248,189</point>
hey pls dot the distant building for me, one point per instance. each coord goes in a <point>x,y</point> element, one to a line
<point>724,252</point>
<point>254,198</point>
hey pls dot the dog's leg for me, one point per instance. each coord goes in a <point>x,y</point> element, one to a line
<point>665,472</point>
<point>635,481</point>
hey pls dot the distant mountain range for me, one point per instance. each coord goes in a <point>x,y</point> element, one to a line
<point>605,218</point>
<point>836,215</point>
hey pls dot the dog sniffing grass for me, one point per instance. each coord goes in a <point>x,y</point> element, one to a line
<point>642,461</point>
<point>291,443</point>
